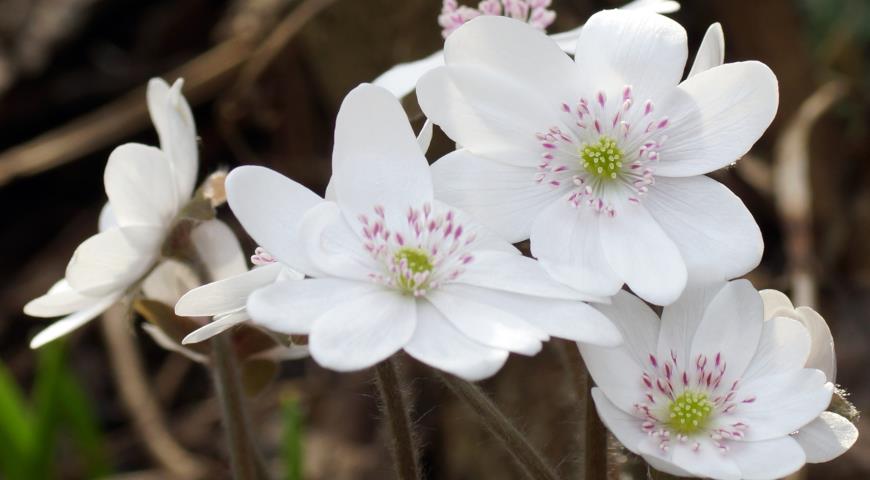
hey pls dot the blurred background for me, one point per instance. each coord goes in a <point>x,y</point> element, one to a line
<point>266,78</point>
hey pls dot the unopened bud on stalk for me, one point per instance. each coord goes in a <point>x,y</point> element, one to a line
<point>214,188</point>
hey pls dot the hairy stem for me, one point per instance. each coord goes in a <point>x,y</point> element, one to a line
<point>395,408</point>
<point>247,464</point>
<point>594,434</point>
<point>531,461</point>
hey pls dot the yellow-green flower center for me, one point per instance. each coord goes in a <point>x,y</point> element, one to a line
<point>413,264</point>
<point>690,413</point>
<point>603,158</point>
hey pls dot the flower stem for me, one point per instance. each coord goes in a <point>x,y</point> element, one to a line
<point>532,462</point>
<point>247,464</point>
<point>395,409</point>
<point>594,438</point>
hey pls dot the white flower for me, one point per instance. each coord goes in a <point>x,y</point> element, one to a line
<point>711,390</point>
<point>174,283</point>
<point>401,78</point>
<point>830,435</point>
<point>392,267</point>
<point>601,160</point>
<point>146,187</point>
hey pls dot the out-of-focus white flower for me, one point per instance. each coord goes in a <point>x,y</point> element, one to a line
<point>830,435</point>
<point>174,283</point>
<point>711,390</point>
<point>401,79</point>
<point>146,187</point>
<point>392,267</point>
<point>600,160</point>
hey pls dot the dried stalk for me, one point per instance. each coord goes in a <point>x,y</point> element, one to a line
<point>793,190</point>
<point>793,193</point>
<point>138,398</point>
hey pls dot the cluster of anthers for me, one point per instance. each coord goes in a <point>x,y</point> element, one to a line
<point>427,250</point>
<point>683,405</point>
<point>534,12</point>
<point>262,257</point>
<point>607,148</point>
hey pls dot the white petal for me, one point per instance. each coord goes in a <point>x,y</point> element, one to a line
<point>438,343</point>
<point>424,138</point>
<point>711,53</point>
<point>567,242</point>
<point>169,281</point>
<point>164,341</point>
<point>269,206</point>
<point>513,49</point>
<point>491,114</point>
<point>114,259</point>
<point>139,184</point>
<point>401,79</point>
<point>705,462</point>
<point>331,248</point>
<point>775,300</point>
<point>822,355</point>
<point>107,218</point>
<point>626,428</point>
<point>665,466</point>
<point>680,321</point>
<point>714,231</point>
<point>640,252</point>
<point>215,327</point>
<point>826,437</point>
<point>783,404</point>
<point>376,159</point>
<point>731,325</point>
<point>486,239</point>
<point>784,345</point>
<point>486,324</point>
<point>171,116</point>
<point>71,322</point>
<point>503,197</point>
<point>518,274</point>
<point>226,295</point>
<point>61,299</point>
<point>363,331</point>
<point>657,6</point>
<point>639,327</point>
<point>293,306</point>
<point>641,49</point>
<point>566,319</point>
<point>715,118</point>
<point>219,249</point>
<point>776,458</point>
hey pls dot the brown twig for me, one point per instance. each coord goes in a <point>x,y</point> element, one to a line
<point>138,398</point>
<point>793,190</point>
<point>204,76</point>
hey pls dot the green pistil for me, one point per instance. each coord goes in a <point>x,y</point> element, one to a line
<point>690,413</point>
<point>417,261</point>
<point>602,159</point>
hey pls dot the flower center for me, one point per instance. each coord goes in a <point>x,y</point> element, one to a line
<point>602,159</point>
<point>416,263</point>
<point>603,150</point>
<point>430,248</point>
<point>685,401</point>
<point>690,413</point>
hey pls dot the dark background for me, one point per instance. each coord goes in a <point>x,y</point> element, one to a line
<point>265,89</point>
